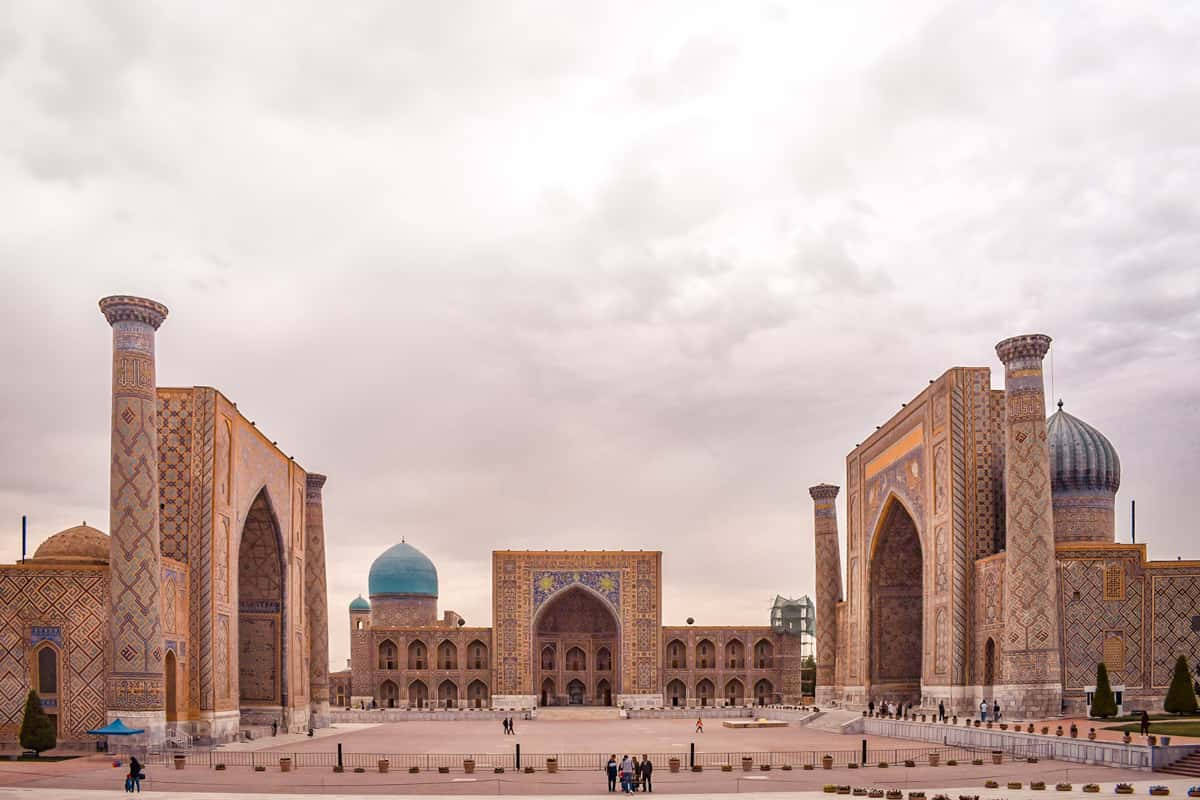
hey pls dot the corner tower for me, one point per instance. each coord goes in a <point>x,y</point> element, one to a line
<point>828,565</point>
<point>1030,681</point>
<point>135,657</point>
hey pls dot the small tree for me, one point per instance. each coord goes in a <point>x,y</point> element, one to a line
<point>1181,697</point>
<point>1104,703</point>
<point>37,731</point>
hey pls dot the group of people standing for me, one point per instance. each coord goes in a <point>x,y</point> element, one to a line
<point>887,708</point>
<point>632,774</point>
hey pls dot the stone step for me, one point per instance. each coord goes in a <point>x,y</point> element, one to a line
<point>577,712</point>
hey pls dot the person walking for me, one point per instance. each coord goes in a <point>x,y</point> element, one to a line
<point>504,725</point>
<point>1145,720</point>
<point>941,711</point>
<point>699,725</point>
<point>871,708</point>
<point>983,710</point>
<point>995,711</point>
<point>647,771</point>
<point>611,769</point>
<point>134,781</point>
<point>626,774</point>
<point>512,727</point>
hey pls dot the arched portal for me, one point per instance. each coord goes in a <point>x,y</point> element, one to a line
<point>477,655</point>
<point>576,692</point>
<point>172,702</point>
<point>677,693</point>
<point>417,656</point>
<point>262,658</point>
<point>47,680</point>
<point>418,694</point>
<point>735,692</point>
<point>764,692</point>
<point>477,694</point>
<point>447,694</point>
<point>895,609</point>
<point>676,654</point>
<point>604,692</point>
<point>575,621</point>
<point>705,692</point>
<point>389,694</point>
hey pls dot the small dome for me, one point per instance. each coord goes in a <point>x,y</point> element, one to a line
<point>360,604</point>
<point>402,570</point>
<point>1081,457</point>
<point>81,544</point>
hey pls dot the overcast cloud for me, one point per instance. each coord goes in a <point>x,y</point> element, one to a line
<point>547,275</point>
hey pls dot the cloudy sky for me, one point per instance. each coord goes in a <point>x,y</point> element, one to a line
<point>596,275</point>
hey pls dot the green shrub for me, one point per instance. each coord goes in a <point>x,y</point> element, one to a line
<point>1104,702</point>
<point>1181,697</point>
<point>37,731</point>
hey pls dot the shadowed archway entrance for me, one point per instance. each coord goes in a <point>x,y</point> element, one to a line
<point>262,656</point>
<point>896,599</point>
<point>578,623</point>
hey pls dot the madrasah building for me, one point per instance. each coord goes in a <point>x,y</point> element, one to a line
<point>981,559</point>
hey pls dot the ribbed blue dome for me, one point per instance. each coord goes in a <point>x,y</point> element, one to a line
<point>360,604</point>
<point>1081,458</point>
<point>405,570</point>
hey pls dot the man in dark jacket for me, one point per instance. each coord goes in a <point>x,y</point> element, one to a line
<point>941,711</point>
<point>611,768</point>
<point>647,771</point>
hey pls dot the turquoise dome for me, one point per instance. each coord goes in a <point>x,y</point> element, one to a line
<point>360,604</point>
<point>402,570</point>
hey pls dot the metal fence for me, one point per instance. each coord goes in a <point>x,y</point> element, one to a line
<point>591,761</point>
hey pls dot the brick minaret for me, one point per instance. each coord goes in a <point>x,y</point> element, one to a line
<point>828,566</point>
<point>1029,684</point>
<point>316,602</point>
<point>135,656</point>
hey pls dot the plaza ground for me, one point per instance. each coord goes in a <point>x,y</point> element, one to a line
<point>59,779</point>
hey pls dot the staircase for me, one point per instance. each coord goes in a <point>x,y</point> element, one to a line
<point>1189,766</point>
<point>577,712</point>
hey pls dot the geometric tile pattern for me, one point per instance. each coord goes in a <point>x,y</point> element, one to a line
<point>1176,607</point>
<point>174,472</point>
<point>315,591</point>
<point>829,581</point>
<point>135,639</point>
<point>260,606</point>
<point>1091,618</point>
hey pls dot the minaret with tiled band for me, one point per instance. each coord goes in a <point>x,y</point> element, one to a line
<point>316,603</point>
<point>1029,685</point>
<point>135,658</point>
<point>828,567</point>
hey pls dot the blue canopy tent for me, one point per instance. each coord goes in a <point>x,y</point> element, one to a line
<point>116,728</point>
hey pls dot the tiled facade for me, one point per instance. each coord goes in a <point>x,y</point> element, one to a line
<point>570,627</point>
<point>952,535</point>
<point>200,603</point>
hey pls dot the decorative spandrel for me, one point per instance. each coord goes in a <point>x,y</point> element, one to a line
<point>606,583</point>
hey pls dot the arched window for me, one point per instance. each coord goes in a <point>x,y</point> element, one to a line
<point>477,653</point>
<point>677,692</point>
<point>417,656</point>
<point>389,694</point>
<point>734,692</point>
<point>358,625</point>
<point>576,662</point>
<point>705,692</point>
<point>477,694</point>
<point>418,694</point>
<point>735,654</point>
<point>677,654</point>
<point>548,657</point>
<point>387,654</point>
<point>447,655</point>
<point>705,654</point>
<point>603,660</point>
<point>764,653</point>
<point>764,692</point>
<point>47,667</point>
<point>447,694</point>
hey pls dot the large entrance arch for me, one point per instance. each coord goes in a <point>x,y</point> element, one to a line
<point>895,606</point>
<point>579,623</point>
<point>262,677</point>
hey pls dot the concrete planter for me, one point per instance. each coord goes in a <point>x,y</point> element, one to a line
<point>552,765</point>
<point>673,765</point>
<point>997,756</point>
<point>747,763</point>
<point>383,764</point>
<point>469,766</point>
<point>826,762</point>
<point>285,765</point>
<point>180,762</point>
<point>934,758</point>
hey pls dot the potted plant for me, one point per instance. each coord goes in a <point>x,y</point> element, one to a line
<point>219,767</point>
<point>1063,787</point>
<point>1003,726</point>
<point>764,767</point>
<point>414,769</point>
<point>697,767</point>
<point>874,792</point>
<point>991,784</point>
<point>829,788</point>
<point>1158,790</point>
<point>260,768</point>
<point>859,791</point>
<point>673,764</point>
<point>807,767</point>
<point>1045,730</point>
<point>443,770</point>
<point>1092,734</point>
<point>933,759</point>
<point>916,795</point>
<point>977,762</point>
<point>1151,739</point>
<point>1030,728</point>
<point>976,723</point>
<point>1091,788</point>
<point>180,761</point>
<point>1194,791</point>
<point>997,756</point>
<point>883,765</point>
<point>469,766</point>
<point>383,764</point>
<point>826,761</point>
<point>285,764</point>
<point>498,770</point>
<point>360,770</point>
<point>1014,784</point>
<point>727,768</point>
<point>951,762</point>
<point>954,719</point>
<point>989,723</point>
<point>786,768</point>
<point>1126,738</point>
<point>1124,788</point>
<point>1058,731</point>
<point>852,765</point>
<point>1031,760</point>
<point>894,794</point>
<point>1039,785</point>
<point>843,789</point>
<point>552,764</point>
<point>908,762</point>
